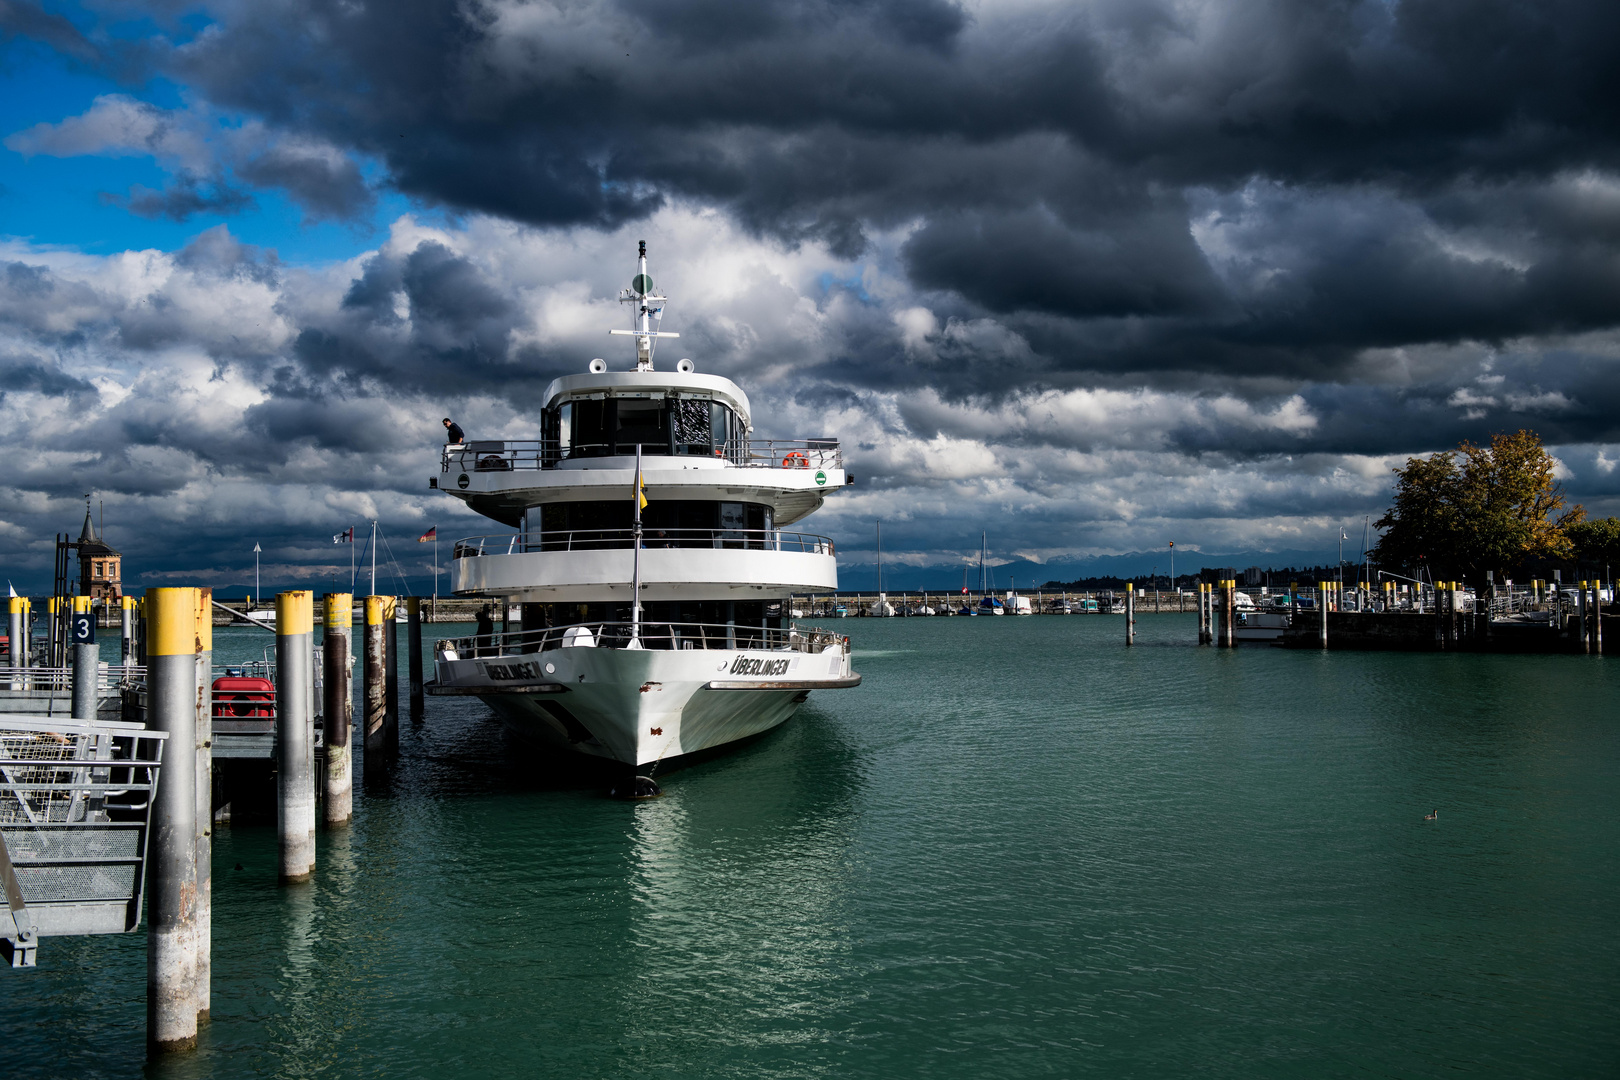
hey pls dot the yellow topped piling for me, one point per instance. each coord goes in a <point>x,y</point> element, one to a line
<point>295,612</point>
<point>374,610</point>
<point>171,616</point>
<point>339,613</point>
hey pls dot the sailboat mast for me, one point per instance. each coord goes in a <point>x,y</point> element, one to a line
<point>981,564</point>
<point>880,556</point>
<point>374,558</point>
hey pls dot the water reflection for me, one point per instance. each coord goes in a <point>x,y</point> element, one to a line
<point>739,892</point>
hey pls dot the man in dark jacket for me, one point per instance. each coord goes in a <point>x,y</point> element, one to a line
<point>453,432</point>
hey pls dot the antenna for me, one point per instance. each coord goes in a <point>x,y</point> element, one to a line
<point>641,294</point>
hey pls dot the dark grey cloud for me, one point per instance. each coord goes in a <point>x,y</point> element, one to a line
<point>183,199</point>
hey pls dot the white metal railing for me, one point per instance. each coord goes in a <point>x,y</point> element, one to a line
<point>59,680</point>
<point>472,547</point>
<point>522,454</point>
<point>658,635</point>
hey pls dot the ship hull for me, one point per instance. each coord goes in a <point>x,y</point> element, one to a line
<point>645,707</point>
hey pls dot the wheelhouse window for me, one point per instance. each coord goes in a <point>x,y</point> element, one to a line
<point>616,426</point>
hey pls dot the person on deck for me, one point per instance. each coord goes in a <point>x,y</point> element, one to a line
<point>483,635</point>
<point>453,432</point>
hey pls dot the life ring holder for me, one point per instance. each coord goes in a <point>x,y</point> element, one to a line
<point>795,460</point>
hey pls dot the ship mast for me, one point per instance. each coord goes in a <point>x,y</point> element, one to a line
<point>641,294</point>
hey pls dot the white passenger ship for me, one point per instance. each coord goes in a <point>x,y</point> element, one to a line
<point>710,655</point>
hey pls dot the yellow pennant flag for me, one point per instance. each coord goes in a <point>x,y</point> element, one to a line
<point>641,489</point>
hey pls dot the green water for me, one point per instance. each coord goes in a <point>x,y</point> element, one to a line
<point>1019,849</point>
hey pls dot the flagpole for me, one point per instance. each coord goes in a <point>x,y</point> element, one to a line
<point>635,562</point>
<point>255,573</point>
<point>373,557</point>
<point>351,560</point>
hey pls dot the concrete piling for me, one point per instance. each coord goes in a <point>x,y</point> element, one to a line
<point>14,637</point>
<point>126,653</point>
<point>413,642</point>
<point>391,677</point>
<point>374,688</point>
<point>1130,614</point>
<point>295,762</point>
<point>171,912</point>
<point>338,709</point>
<point>85,661</point>
<point>203,643</point>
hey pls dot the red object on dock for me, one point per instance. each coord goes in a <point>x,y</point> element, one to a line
<point>241,697</point>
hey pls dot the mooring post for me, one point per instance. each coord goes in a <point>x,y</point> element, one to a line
<point>1228,612</point>
<point>1597,618</point>
<point>391,675</point>
<point>14,636</point>
<point>171,911</point>
<point>295,764</point>
<point>413,642</point>
<point>126,652</point>
<point>1130,613</point>
<point>84,663</point>
<point>1322,604</point>
<point>203,642</point>
<point>338,708</point>
<point>374,688</point>
<point>1580,616</point>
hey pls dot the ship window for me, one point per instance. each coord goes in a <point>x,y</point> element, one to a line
<point>643,423</point>
<point>691,420</point>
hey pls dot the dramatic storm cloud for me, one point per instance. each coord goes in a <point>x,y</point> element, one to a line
<point>1086,276</point>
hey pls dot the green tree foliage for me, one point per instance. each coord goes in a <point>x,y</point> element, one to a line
<point>1596,541</point>
<point>1474,509</point>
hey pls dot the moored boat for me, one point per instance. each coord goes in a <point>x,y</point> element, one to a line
<point>651,563</point>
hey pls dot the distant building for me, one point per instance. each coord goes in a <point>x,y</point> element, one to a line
<point>1254,576</point>
<point>101,574</point>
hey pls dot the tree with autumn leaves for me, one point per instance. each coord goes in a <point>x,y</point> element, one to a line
<point>1464,512</point>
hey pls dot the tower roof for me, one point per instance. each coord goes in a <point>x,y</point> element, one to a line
<point>89,542</point>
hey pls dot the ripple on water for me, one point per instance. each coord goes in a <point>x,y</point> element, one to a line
<point>1018,848</point>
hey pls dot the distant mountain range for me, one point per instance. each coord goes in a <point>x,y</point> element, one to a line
<point>1131,565</point>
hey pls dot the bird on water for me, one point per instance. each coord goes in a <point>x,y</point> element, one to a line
<point>1431,817</point>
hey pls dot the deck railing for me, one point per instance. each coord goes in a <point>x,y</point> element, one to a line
<point>59,680</point>
<point>664,636</point>
<point>472,547</point>
<point>523,454</point>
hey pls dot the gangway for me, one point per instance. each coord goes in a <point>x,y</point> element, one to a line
<point>76,800</point>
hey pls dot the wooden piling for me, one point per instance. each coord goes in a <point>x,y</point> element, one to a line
<point>373,683</point>
<point>295,760</point>
<point>391,674</point>
<point>413,642</point>
<point>338,708</point>
<point>1130,613</point>
<point>171,911</point>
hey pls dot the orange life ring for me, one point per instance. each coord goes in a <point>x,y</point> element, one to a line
<point>795,460</point>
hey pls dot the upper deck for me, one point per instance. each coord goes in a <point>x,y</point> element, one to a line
<point>695,440</point>
<point>693,433</point>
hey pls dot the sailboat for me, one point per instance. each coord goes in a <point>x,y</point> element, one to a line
<point>988,605</point>
<point>882,609</point>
